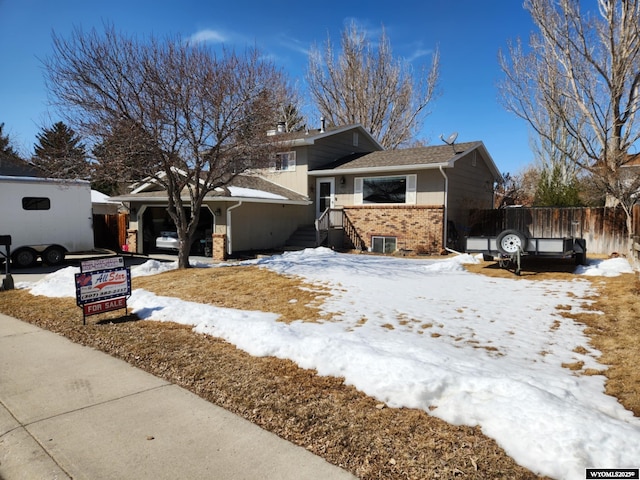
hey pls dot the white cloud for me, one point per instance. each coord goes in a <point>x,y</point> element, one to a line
<point>418,53</point>
<point>207,36</point>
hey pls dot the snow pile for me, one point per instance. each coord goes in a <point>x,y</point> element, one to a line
<point>605,268</point>
<point>427,334</point>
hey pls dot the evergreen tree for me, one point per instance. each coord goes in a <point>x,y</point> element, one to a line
<point>60,153</point>
<point>554,190</point>
<point>6,149</point>
<point>10,161</point>
<point>124,156</point>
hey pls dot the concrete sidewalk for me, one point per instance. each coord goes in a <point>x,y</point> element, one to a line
<point>68,411</point>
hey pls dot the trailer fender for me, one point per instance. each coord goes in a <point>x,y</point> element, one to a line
<point>580,249</point>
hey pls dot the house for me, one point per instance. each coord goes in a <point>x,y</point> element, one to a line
<point>341,185</point>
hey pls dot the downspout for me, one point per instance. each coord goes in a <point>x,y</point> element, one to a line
<point>446,200</point>
<point>229,248</point>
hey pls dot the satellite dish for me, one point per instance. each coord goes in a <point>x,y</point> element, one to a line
<point>450,139</point>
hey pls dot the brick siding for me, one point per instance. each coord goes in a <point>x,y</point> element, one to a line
<point>416,228</point>
<point>219,252</point>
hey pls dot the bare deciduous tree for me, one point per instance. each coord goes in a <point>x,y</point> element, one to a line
<point>583,71</point>
<point>367,85</point>
<point>516,189</point>
<point>202,117</point>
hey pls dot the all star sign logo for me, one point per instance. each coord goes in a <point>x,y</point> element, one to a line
<point>102,284</point>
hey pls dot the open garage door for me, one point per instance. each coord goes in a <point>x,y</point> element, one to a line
<point>157,224</point>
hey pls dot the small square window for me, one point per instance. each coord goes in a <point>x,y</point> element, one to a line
<point>384,244</point>
<point>285,161</point>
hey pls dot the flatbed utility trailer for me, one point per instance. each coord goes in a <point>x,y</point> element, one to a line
<point>510,245</point>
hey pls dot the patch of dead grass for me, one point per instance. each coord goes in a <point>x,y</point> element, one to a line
<point>246,288</point>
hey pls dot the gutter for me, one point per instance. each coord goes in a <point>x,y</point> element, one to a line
<point>229,248</point>
<point>370,170</point>
<point>157,200</point>
<point>446,200</point>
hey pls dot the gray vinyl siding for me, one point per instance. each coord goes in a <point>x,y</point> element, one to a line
<point>470,187</point>
<point>256,226</point>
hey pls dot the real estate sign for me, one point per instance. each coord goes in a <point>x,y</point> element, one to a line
<point>101,264</point>
<point>102,285</point>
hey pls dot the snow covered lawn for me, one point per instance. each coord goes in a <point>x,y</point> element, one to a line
<point>427,334</point>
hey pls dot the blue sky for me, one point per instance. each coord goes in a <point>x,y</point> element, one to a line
<point>468,33</point>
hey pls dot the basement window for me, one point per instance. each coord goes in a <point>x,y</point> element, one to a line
<point>384,244</point>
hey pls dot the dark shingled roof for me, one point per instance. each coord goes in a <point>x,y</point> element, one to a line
<point>17,167</point>
<point>409,156</point>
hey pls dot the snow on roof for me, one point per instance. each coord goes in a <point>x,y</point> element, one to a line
<point>99,197</point>
<point>252,193</point>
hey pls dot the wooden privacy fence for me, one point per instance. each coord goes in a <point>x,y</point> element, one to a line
<point>110,231</point>
<point>603,228</point>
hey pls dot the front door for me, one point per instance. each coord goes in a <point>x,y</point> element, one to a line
<point>325,194</point>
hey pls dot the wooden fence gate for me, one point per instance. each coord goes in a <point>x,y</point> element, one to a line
<point>110,231</point>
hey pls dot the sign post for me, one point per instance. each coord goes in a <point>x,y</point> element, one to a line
<point>102,285</point>
<point>7,283</point>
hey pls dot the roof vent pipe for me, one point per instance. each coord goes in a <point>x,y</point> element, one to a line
<point>322,124</point>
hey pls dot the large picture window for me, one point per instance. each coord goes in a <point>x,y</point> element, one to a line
<point>397,189</point>
<point>384,190</point>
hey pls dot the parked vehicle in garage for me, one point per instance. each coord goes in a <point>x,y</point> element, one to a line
<point>168,241</point>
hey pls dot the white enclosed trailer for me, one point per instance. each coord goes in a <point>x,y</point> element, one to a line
<point>45,218</point>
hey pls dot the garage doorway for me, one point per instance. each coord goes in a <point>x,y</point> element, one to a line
<point>156,220</point>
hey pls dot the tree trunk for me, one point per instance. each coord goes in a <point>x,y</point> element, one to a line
<point>631,254</point>
<point>183,256</point>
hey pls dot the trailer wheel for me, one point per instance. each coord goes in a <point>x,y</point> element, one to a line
<point>509,242</point>
<point>25,257</point>
<point>53,256</point>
